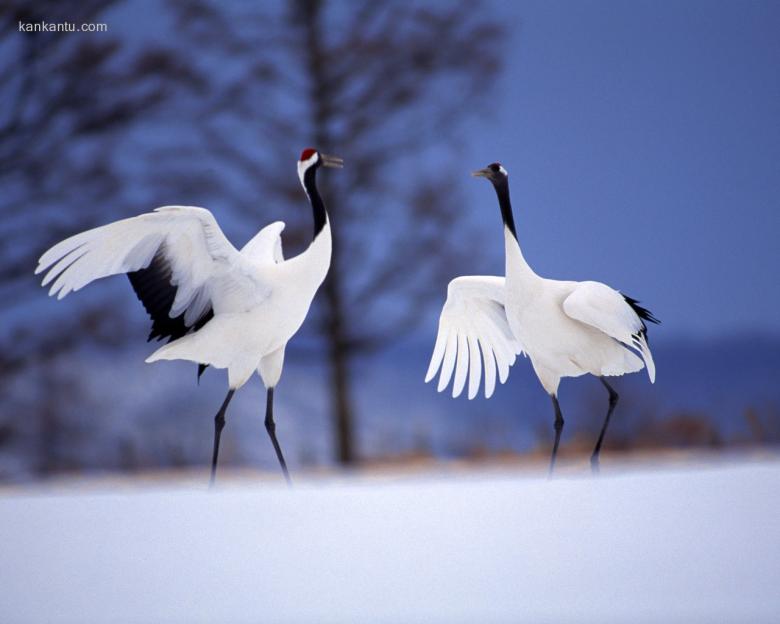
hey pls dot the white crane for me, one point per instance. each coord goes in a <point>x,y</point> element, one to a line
<point>566,328</point>
<point>217,306</point>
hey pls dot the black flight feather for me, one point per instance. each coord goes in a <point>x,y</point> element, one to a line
<point>643,313</point>
<point>154,290</point>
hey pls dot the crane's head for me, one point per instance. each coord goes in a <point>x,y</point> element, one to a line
<point>494,172</point>
<point>312,160</point>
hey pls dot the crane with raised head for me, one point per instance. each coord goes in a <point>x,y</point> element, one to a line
<point>566,328</point>
<point>216,305</point>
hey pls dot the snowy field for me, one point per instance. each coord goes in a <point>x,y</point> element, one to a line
<point>674,545</point>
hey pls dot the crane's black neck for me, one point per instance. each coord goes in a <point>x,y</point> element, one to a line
<point>317,205</point>
<point>502,190</point>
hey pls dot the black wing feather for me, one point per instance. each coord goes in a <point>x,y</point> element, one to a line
<point>154,290</point>
<point>643,313</point>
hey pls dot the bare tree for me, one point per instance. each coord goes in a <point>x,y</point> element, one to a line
<point>385,84</point>
<point>66,99</point>
<point>215,117</point>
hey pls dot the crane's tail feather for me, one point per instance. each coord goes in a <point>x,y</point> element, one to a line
<point>201,348</point>
<point>640,342</point>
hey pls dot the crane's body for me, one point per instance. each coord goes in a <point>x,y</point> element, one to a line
<point>557,343</point>
<point>217,306</point>
<point>256,313</point>
<point>566,328</point>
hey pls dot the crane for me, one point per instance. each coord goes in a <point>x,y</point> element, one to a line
<point>217,306</point>
<point>566,328</point>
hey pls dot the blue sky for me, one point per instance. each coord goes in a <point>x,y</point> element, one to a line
<point>643,145</point>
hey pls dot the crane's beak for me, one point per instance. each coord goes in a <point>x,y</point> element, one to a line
<point>332,161</point>
<point>482,173</point>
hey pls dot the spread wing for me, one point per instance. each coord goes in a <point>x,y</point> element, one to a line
<point>177,258</point>
<point>473,321</point>
<point>619,317</point>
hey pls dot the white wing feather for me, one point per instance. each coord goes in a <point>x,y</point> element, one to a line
<point>266,246</point>
<point>203,263</point>
<point>604,308</point>
<point>473,320</point>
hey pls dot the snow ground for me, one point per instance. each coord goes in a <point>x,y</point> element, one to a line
<point>699,545</point>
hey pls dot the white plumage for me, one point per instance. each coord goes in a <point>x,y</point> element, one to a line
<point>259,301</point>
<point>604,308</point>
<point>229,309</point>
<point>566,328</point>
<point>473,322</point>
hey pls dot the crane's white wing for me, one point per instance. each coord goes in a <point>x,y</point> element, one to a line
<point>177,258</point>
<point>473,319</point>
<point>604,308</point>
<point>266,246</point>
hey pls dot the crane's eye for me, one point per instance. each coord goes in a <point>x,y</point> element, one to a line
<point>495,167</point>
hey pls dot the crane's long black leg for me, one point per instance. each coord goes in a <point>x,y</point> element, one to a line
<point>613,399</point>
<point>558,428</point>
<point>219,424</point>
<point>270,427</point>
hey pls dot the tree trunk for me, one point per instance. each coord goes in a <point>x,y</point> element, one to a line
<point>341,406</point>
<point>335,334</point>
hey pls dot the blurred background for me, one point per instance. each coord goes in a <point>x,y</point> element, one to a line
<point>643,145</point>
